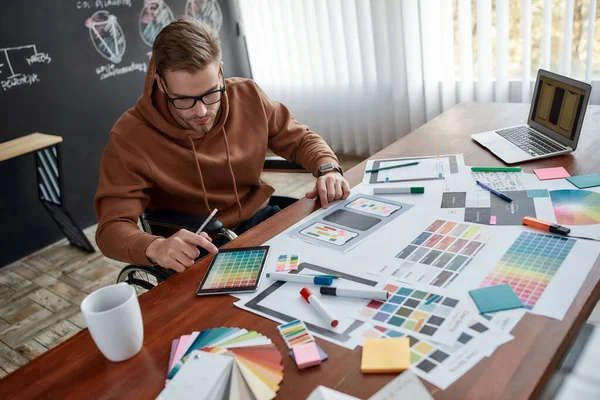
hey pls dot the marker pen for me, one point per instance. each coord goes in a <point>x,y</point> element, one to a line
<point>316,280</point>
<point>399,190</point>
<point>546,226</point>
<point>358,293</point>
<point>320,307</point>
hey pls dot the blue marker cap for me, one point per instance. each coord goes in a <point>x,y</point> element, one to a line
<point>320,280</point>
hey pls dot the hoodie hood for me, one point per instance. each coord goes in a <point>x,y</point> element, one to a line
<point>154,108</point>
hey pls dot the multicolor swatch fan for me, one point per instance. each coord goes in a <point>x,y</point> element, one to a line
<point>576,207</point>
<point>239,365</point>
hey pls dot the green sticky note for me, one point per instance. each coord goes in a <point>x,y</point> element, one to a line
<point>537,193</point>
<point>585,181</point>
<point>495,298</point>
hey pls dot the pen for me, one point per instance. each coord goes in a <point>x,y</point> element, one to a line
<point>320,307</point>
<point>432,299</point>
<point>545,226</point>
<point>359,293</point>
<point>497,193</point>
<point>496,169</point>
<point>399,190</point>
<point>325,276</point>
<point>206,221</point>
<point>317,280</point>
<point>392,167</point>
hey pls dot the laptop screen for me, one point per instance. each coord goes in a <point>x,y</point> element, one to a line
<point>558,106</point>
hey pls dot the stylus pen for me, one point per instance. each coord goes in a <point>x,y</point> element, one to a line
<point>497,193</point>
<point>391,167</point>
<point>359,293</point>
<point>317,280</point>
<point>206,221</point>
<point>320,307</point>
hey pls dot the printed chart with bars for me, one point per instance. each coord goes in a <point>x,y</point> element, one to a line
<point>576,207</point>
<point>287,262</point>
<point>441,252</point>
<point>235,269</point>
<point>371,206</point>
<point>411,310</point>
<point>435,361</point>
<point>529,265</point>
<point>329,234</point>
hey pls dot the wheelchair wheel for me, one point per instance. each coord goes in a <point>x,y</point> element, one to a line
<point>143,278</point>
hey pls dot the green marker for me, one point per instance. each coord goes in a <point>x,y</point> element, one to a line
<point>399,190</point>
<point>495,169</point>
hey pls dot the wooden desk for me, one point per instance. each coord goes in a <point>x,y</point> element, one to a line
<point>519,369</point>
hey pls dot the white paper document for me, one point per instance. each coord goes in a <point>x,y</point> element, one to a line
<point>405,386</point>
<point>324,393</point>
<point>429,167</point>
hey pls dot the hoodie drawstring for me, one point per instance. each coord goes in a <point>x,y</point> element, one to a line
<point>237,197</point>
<point>199,174</point>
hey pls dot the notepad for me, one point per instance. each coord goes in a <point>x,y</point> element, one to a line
<point>551,173</point>
<point>322,353</point>
<point>306,355</point>
<point>495,298</point>
<point>385,355</point>
<point>585,181</point>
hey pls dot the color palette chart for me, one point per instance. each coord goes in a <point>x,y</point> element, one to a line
<point>529,265</point>
<point>236,269</point>
<point>374,207</point>
<point>576,207</point>
<point>413,310</point>
<point>439,254</point>
<point>436,362</point>
<point>255,373</point>
<point>287,262</point>
<point>329,234</point>
<point>294,333</point>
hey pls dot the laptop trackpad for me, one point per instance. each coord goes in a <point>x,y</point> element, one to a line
<point>500,146</point>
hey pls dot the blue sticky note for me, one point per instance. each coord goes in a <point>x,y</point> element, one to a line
<point>533,193</point>
<point>585,181</point>
<point>495,298</point>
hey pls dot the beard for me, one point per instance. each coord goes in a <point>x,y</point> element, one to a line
<point>198,124</point>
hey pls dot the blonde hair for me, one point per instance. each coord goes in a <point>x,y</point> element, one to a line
<point>186,44</point>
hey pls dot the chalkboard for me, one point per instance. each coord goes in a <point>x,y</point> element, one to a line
<point>71,68</point>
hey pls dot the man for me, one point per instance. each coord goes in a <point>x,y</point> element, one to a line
<point>195,142</point>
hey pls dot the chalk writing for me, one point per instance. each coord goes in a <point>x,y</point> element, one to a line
<point>17,69</point>
<point>207,11</point>
<point>155,15</point>
<point>89,4</point>
<point>111,70</point>
<point>106,35</point>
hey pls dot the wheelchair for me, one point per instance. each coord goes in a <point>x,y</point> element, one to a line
<point>166,222</point>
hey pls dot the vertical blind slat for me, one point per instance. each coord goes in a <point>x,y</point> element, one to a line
<point>414,71</point>
<point>465,43</point>
<point>526,38</point>
<point>448,62</point>
<point>546,34</point>
<point>430,50</point>
<point>484,50</point>
<point>502,24</point>
<point>590,44</point>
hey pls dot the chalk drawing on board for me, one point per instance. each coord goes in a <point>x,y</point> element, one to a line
<point>207,11</point>
<point>107,35</point>
<point>155,15</point>
<point>23,57</point>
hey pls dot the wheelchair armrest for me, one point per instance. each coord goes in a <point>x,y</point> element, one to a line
<point>180,219</point>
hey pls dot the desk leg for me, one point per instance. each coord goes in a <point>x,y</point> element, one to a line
<point>50,190</point>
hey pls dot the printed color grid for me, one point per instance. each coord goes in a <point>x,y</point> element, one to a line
<point>407,309</point>
<point>529,265</point>
<point>427,355</point>
<point>447,246</point>
<point>234,269</point>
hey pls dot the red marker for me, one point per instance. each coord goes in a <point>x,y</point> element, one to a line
<point>320,307</point>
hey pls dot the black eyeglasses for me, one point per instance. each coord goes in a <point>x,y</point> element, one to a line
<point>187,102</point>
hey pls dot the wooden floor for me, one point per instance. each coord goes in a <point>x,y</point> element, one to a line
<point>40,294</point>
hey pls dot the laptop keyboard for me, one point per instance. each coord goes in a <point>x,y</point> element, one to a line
<point>529,140</point>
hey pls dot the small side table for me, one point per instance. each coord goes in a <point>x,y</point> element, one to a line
<point>50,188</point>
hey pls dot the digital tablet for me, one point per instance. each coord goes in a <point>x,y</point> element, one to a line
<point>234,271</point>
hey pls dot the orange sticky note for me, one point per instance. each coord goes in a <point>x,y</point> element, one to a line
<point>385,355</point>
<point>551,173</point>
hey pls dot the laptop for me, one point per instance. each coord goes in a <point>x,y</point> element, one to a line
<point>555,118</point>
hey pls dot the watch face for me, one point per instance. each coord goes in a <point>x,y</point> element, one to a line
<point>326,167</point>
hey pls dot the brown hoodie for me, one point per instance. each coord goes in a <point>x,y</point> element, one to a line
<point>152,162</point>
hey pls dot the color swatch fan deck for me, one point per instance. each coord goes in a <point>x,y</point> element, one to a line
<point>248,365</point>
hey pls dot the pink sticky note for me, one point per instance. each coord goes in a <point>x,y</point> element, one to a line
<point>551,173</point>
<point>306,355</point>
<point>493,220</point>
<point>174,344</point>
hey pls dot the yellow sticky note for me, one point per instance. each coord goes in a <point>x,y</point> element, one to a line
<point>385,355</point>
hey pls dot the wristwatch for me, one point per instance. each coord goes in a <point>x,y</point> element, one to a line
<point>328,167</point>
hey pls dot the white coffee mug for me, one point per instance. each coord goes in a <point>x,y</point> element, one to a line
<point>114,319</point>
